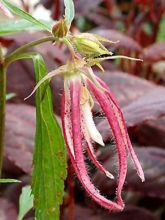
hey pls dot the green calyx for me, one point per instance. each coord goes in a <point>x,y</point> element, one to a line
<point>60,29</point>
<point>88,46</point>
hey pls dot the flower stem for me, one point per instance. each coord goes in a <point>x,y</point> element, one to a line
<point>71,49</point>
<point>14,54</point>
<point>2,110</point>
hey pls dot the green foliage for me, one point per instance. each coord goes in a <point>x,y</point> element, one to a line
<point>14,26</point>
<point>9,181</point>
<point>69,11</point>
<point>161,32</point>
<point>25,202</point>
<point>17,11</point>
<point>50,154</point>
<point>49,160</point>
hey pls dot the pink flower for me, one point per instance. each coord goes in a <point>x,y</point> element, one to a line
<point>79,129</point>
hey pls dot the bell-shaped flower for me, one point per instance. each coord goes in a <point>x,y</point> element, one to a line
<point>80,132</point>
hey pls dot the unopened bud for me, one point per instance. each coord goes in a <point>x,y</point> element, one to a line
<point>60,29</point>
<point>89,46</point>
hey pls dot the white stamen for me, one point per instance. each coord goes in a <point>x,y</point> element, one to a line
<point>90,125</point>
<point>109,175</point>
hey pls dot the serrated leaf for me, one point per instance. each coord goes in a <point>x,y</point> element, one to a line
<point>14,26</point>
<point>17,11</point>
<point>9,181</point>
<point>49,160</point>
<point>49,155</point>
<point>25,202</point>
<point>69,11</point>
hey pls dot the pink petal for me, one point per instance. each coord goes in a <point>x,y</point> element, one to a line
<point>124,128</point>
<point>66,121</point>
<point>108,109</point>
<point>78,161</point>
<point>91,152</point>
<point>89,123</point>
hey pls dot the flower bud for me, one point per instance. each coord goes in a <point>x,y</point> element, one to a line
<point>89,46</point>
<point>60,29</point>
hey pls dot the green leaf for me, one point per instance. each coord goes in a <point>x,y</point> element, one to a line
<point>9,181</point>
<point>161,31</point>
<point>25,202</point>
<point>49,160</point>
<point>17,11</point>
<point>69,11</point>
<point>14,26</point>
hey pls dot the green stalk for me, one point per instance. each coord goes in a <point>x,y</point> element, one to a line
<point>2,110</point>
<point>11,57</point>
<point>3,65</point>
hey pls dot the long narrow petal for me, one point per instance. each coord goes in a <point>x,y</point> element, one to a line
<point>90,125</point>
<point>66,120</point>
<point>90,150</point>
<point>124,130</point>
<point>59,71</point>
<point>108,109</point>
<point>118,57</point>
<point>80,167</point>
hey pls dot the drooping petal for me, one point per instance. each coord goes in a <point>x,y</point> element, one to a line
<point>108,109</point>
<point>118,57</point>
<point>90,149</point>
<point>49,76</point>
<point>66,120</point>
<point>78,161</point>
<point>90,125</point>
<point>123,127</point>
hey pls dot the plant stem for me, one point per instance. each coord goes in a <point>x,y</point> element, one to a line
<point>12,56</point>
<point>2,110</point>
<point>71,49</point>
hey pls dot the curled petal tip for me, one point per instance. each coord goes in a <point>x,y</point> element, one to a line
<point>100,141</point>
<point>109,175</point>
<point>49,76</point>
<point>140,172</point>
<point>27,97</point>
<point>120,57</point>
<point>31,93</point>
<point>142,177</point>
